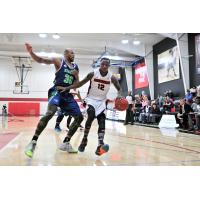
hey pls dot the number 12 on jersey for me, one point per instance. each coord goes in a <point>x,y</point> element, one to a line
<point>101,86</point>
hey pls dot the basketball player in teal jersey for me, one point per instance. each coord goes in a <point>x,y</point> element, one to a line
<point>66,74</point>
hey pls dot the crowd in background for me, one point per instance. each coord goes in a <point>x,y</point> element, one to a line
<point>186,110</point>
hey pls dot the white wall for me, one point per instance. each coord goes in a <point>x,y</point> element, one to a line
<point>40,79</point>
<point>150,70</point>
<point>129,78</point>
<point>183,45</point>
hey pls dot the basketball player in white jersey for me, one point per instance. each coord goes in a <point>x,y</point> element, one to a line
<point>100,80</point>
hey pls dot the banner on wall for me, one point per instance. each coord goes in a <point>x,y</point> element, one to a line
<point>141,79</point>
<point>168,65</point>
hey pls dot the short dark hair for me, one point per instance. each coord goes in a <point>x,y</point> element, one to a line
<point>105,59</point>
<point>66,51</point>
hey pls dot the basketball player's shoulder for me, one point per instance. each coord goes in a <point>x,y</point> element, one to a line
<point>76,67</point>
<point>110,74</point>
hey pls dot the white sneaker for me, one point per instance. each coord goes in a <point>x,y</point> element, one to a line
<point>67,147</point>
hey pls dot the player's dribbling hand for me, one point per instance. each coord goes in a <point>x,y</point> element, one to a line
<point>28,47</point>
<point>119,97</point>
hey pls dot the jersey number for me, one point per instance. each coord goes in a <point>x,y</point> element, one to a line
<point>101,86</point>
<point>68,79</point>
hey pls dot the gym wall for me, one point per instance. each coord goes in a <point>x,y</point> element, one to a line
<point>194,77</point>
<point>39,80</point>
<point>176,85</point>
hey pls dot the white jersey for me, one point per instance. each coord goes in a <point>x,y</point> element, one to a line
<point>99,85</point>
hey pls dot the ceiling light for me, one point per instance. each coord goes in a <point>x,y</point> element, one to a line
<point>124,41</point>
<point>43,35</point>
<point>136,42</point>
<point>56,36</point>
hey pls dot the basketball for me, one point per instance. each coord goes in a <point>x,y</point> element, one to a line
<point>121,104</point>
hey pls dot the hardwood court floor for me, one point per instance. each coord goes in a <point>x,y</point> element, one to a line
<point>129,145</point>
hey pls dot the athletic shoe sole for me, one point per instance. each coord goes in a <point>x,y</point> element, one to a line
<point>104,149</point>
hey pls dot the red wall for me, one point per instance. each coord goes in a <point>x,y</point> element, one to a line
<point>24,108</point>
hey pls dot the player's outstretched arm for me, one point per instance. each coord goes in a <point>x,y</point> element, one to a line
<point>38,59</point>
<point>77,84</point>
<point>117,86</point>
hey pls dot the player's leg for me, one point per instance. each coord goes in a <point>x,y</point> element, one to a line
<point>88,123</point>
<point>40,127</point>
<point>69,119</point>
<point>58,121</point>
<point>71,107</point>
<point>54,99</point>
<point>101,148</point>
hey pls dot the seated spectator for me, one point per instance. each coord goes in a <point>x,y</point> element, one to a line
<point>188,95</point>
<point>182,116</point>
<point>145,101</point>
<point>170,94</point>
<point>144,116</point>
<point>193,91</point>
<point>137,108</point>
<point>155,114</point>
<point>168,105</point>
<point>194,116</point>
<point>160,101</point>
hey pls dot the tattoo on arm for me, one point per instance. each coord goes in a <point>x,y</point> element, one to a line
<point>39,59</point>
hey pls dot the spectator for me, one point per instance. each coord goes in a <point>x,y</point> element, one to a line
<point>137,108</point>
<point>196,116</point>
<point>168,105</point>
<point>129,111</point>
<point>144,116</point>
<point>145,101</point>
<point>193,91</point>
<point>160,101</point>
<point>155,114</point>
<point>182,116</point>
<point>4,110</point>
<point>188,95</point>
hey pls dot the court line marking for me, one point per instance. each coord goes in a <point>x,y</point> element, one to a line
<point>163,149</point>
<point>15,138</point>
<point>167,144</point>
<point>133,144</point>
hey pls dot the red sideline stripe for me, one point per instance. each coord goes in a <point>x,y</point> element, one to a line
<point>5,138</point>
<point>27,99</point>
<point>101,81</point>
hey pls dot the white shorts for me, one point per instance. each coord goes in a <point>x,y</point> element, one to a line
<point>99,105</point>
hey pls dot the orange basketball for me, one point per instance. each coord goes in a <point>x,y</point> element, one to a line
<point>121,104</point>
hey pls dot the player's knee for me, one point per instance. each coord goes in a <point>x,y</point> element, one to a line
<point>101,118</point>
<point>90,120</point>
<point>78,118</point>
<point>91,112</point>
<point>49,114</point>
